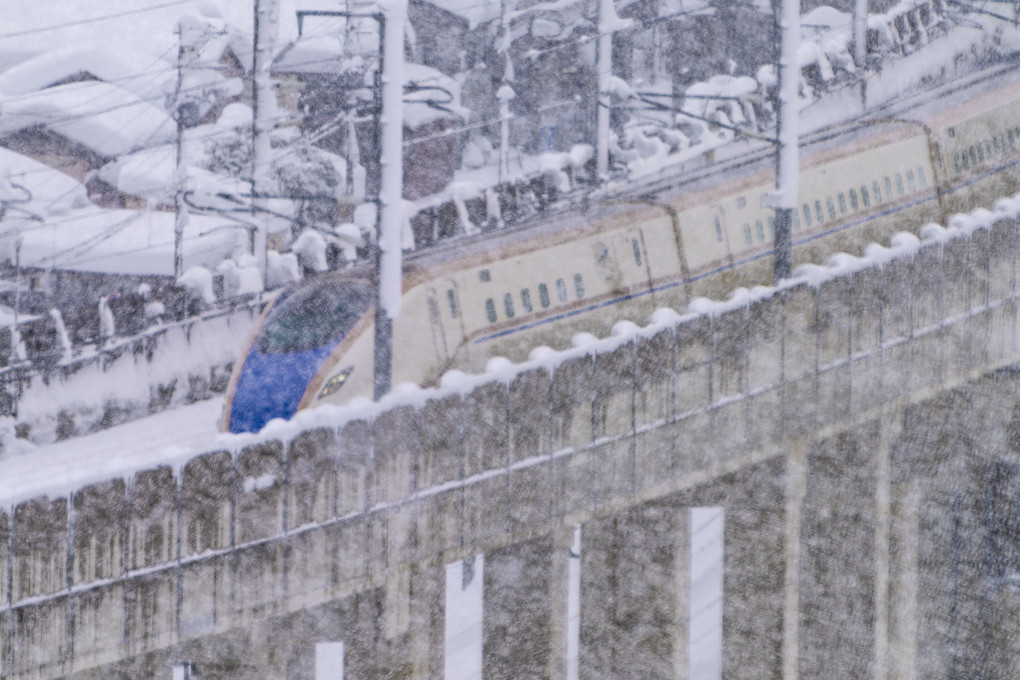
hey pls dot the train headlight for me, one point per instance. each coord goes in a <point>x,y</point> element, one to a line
<point>336,382</point>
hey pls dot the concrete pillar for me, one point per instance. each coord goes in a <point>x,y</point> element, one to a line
<point>634,594</point>
<point>903,580</point>
<point>518,623</point>
<point>884,546</point>
<point>838,564</point>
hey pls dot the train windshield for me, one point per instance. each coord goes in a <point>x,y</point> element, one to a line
<point>314,317</point>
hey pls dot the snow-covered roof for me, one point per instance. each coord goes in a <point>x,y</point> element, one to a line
<point>149,174</point>
<point>475,12</point>
<point>825,17</point>
<point>123,241</point>
<point>144,75</point>
<point>49,191</point>
<point>211,37</point>
<point>326,54</point>
<point>102,117</point>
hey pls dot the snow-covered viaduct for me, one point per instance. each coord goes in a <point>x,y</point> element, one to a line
<point>859,430</point>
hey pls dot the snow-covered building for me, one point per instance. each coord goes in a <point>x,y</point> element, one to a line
<point>148,77</point>
<point>332,81</point>
<point>79,126</point>
<point>36,190</point>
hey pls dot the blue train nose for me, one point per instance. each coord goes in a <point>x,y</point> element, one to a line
<point>271,386</point>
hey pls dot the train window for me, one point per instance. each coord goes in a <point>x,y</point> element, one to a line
<point>543,295</point>
<point>899,184</point>
<point>313,316</point>
<point>508,305</point>
<point>951,131</point>
<point>964,160</point>
<point>910,181</point>
<point>490,310</point>
<point>637,251</point>
<point>877,191</point>
<point>973,156</point>
<point>842,203</point>
<point>741,201</point>
<point>483,276</point>
<point>853,199</point>
<point>760,230</point>
<point>995,146</point>
<point>579,286</point>
<point>831,206</point>
<point>980,153</point>
<point>453,303</point>
<point>956,161</point>
<point>433,311</point>
<point>718,229</point>
<point>747,232</point>
<point>526,299</point>
<point>818,211</point>
<point>772,224</point>
<point>888,188</point>
<point>807,215</point>
<point>561,290</point>
<point>865,197</point>
<point>921,180</point>
<point>937,151</point>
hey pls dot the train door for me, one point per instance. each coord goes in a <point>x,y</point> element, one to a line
<point>630,252</point>
<point>446,321</point>
<point>715,251</point>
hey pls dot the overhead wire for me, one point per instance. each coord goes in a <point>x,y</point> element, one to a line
<point>332,125</point>
<point>92,20</point>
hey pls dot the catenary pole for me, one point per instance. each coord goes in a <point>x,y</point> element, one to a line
<point>604,65</point>
<point>784,199</point>
<point>391,180</point>
<point>180,163</point>
<point>860,32</point>
<point>505,93</point>
<point>267,14</point>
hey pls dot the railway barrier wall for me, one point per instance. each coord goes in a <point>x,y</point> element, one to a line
<point>173,364</point>
<point>861,434</point>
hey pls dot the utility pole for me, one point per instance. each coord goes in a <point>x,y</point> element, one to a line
<point>784,199</point>
<point>390,215</point>
<point>604,66</point>
<point>860,39</point>
<point>267,14</point>
<point>181,162</point>
<point>505,93</point>
<point>860,20</point>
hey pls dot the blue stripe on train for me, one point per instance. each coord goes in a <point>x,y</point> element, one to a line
<point>271,386</point>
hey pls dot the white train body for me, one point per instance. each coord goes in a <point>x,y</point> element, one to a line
<point>504,293</point>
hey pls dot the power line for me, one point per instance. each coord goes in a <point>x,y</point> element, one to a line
<point>53,27</point>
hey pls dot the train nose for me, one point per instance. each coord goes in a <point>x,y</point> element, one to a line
<point>271,386</point>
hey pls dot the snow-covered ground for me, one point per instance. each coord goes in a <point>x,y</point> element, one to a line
<point>161,439</point>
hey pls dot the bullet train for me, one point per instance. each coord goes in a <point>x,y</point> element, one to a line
<point>506,292</point>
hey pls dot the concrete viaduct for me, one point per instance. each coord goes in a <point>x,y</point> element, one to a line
<point>819,482</point>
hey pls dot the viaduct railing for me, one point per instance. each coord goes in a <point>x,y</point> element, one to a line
<point>824,417</point>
